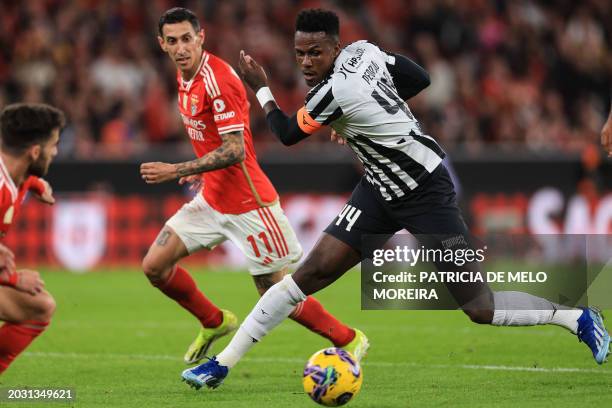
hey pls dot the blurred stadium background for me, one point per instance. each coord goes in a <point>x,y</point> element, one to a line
<point>520,90</point>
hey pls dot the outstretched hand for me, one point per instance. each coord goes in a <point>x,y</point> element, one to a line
<point>252,73</point>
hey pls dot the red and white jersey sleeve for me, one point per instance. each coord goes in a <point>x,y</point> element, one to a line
<point>227,101</point>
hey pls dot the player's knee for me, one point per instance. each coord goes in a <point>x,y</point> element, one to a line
<point>42,307</point>
<point>155,270</point>
<point>479,316</point>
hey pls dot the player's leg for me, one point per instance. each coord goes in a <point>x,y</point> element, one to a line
<point>26,316</point>
<point>338,250</point>
<point>443,220</point>
<point>269,244</point>
<point>312,315</point>
<point>159,266</point>
<point>190,229</point>
<point>277,303</point>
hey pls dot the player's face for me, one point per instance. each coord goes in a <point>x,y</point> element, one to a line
<point>315,54</point>
<point>48,150</point>
<point>183,45</point>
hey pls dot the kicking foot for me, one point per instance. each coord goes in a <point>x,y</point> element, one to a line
<point>211,374</point>
<point>592,332</point>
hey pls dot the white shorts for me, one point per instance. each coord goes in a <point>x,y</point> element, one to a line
<point>264,235</point>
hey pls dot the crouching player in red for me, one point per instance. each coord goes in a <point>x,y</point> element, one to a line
<point>30,133</point>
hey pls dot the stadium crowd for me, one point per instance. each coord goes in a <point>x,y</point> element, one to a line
<point>522,74</point>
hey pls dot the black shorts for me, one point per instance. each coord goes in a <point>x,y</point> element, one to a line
<point>429,210</point>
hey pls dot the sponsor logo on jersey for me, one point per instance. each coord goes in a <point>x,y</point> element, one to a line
<point>196,124</point>
<point>353,63</point>
<point>219,105</point>
<point>225,115</point>
<point>195,134</point>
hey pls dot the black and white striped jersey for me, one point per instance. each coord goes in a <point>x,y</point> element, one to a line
<point>360,101</point>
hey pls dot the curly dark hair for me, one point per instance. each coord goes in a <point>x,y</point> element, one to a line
<point>316,20</point>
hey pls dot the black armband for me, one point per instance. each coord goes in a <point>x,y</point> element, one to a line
<point>285,128</point>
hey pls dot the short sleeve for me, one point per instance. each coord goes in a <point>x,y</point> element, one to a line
<point>227,99</point>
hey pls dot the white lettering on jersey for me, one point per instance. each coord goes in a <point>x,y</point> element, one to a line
<point>196,124</point>
<point>225,115</point>
<point>195,134</point>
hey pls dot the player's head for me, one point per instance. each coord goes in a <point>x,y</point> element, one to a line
<point>316,43</point>
<point>31,131</point>
<point>180,35</point>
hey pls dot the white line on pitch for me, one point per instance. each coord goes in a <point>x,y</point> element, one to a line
<point>301,361</point>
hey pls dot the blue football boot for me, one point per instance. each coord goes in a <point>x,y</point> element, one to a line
<point>211,374</point>
<point>592,332</point>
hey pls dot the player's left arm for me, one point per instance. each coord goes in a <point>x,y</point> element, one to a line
<point>230,152</point>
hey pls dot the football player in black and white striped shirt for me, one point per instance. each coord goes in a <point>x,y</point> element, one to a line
<point>359,91</point>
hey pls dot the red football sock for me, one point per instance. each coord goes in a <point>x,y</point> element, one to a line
<point>15,337</point>
<point>311,314</point>
<point>181,287</point>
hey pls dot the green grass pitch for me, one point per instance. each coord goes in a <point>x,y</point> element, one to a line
<point>119,343</point>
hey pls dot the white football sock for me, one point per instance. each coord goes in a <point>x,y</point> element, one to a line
<point>523,309</point>
<point>273,307</point>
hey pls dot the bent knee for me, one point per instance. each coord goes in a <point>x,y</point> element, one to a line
<point>155,269</point>
<point>480,316</point>
<point>42,307</point>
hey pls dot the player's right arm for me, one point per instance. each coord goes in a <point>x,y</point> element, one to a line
<point>289,130</point>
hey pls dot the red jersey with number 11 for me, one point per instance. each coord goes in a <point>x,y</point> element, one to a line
<point>211,104</point>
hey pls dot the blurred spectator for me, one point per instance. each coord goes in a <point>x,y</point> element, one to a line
<point>521,74</point>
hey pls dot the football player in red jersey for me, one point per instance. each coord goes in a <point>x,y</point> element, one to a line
<point>30,134</point>
<point>237,202</point>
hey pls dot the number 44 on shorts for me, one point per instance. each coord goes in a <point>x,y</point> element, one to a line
<point>349,213</point>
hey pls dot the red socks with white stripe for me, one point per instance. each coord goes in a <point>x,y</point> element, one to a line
<point>181,287</point>
<point>312,315</point>
<point>15,337</point>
